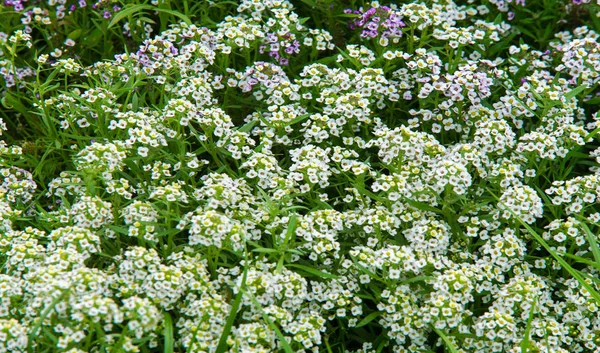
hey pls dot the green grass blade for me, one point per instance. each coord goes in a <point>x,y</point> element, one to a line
<point>555,255</point>
<point>222,346</point>
<point>313,271</point>
<point>140,7</point>
<point>168,333</point>
<point>582,260</point>
<point>368,319</point>
<point>593,243</point>
<point>286,346</point>
<point>446,340</point>
<point>525,342</point>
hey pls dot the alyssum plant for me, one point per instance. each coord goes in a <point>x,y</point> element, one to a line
<point>322,176</point>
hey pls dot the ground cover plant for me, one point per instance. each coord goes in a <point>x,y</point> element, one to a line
<point>299,176</point>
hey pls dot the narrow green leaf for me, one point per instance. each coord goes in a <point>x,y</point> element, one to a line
<point>291,228</point>
<point>135,102</point>
<point>368,318</point>
<point>418,279</point>
<point>127,11</point>
<point>313,271</point>
<point>582,260</point>
<point>38,324</point>
<point>575,91</point>
<point>525,341</point>
<point>554,254</point>
<point>593,243</point>
<point>498,19</point>
<point>93,38</point>
<point>248,126</point>
<point>75,34</point>
<point>265,250</point>
<point>222,345</point>
<point>168,333</point>
<point>592,101</point>
<point>284,342</point>
<point>310,3</point>
<point>423,206</point>
<point>183,17</point>
<point>446,340</point>
<point>11,102</point>
<point>299,119</point>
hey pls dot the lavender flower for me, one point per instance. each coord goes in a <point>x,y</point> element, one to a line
<point>376,22</point>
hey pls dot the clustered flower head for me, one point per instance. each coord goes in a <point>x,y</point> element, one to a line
<point>380,22</point>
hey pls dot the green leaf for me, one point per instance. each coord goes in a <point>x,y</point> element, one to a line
<point>135,102</point>
<point>418,279</point>
<point>93,38</point>
<point>310,3</point>
<point>130,10</point>
<point>168,333</point>
<point>498,19</point>
<point>368,318</point>
<point>368,193</point>
<point>593,101</point>
<point>449,343</point>
<point>423,206</point>
<point>284,342</point>
<point>593,243</point>
<point>575,91</point>
<point>582,260</point>
<point>248,126</point>
<point>222,345</point>
<point>527,32</point>
<point>125,12</point>
<point>573,272</point>
<point>265,250</point>
<point>291,228</point>
<point>525,341</point>
<point>38,324</point>
<point>299,119</point>
<point>75,34</point>
<point>313,271</point>
<point>12,102</point>
<point>146,19</point>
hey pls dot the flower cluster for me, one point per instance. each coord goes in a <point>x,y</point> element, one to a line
<point>381,21</point>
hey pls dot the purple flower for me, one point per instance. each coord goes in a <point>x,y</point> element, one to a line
<point>106,14</point>
<point>274,54</point>
<point>370,12</point>
<point>378,21</point>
